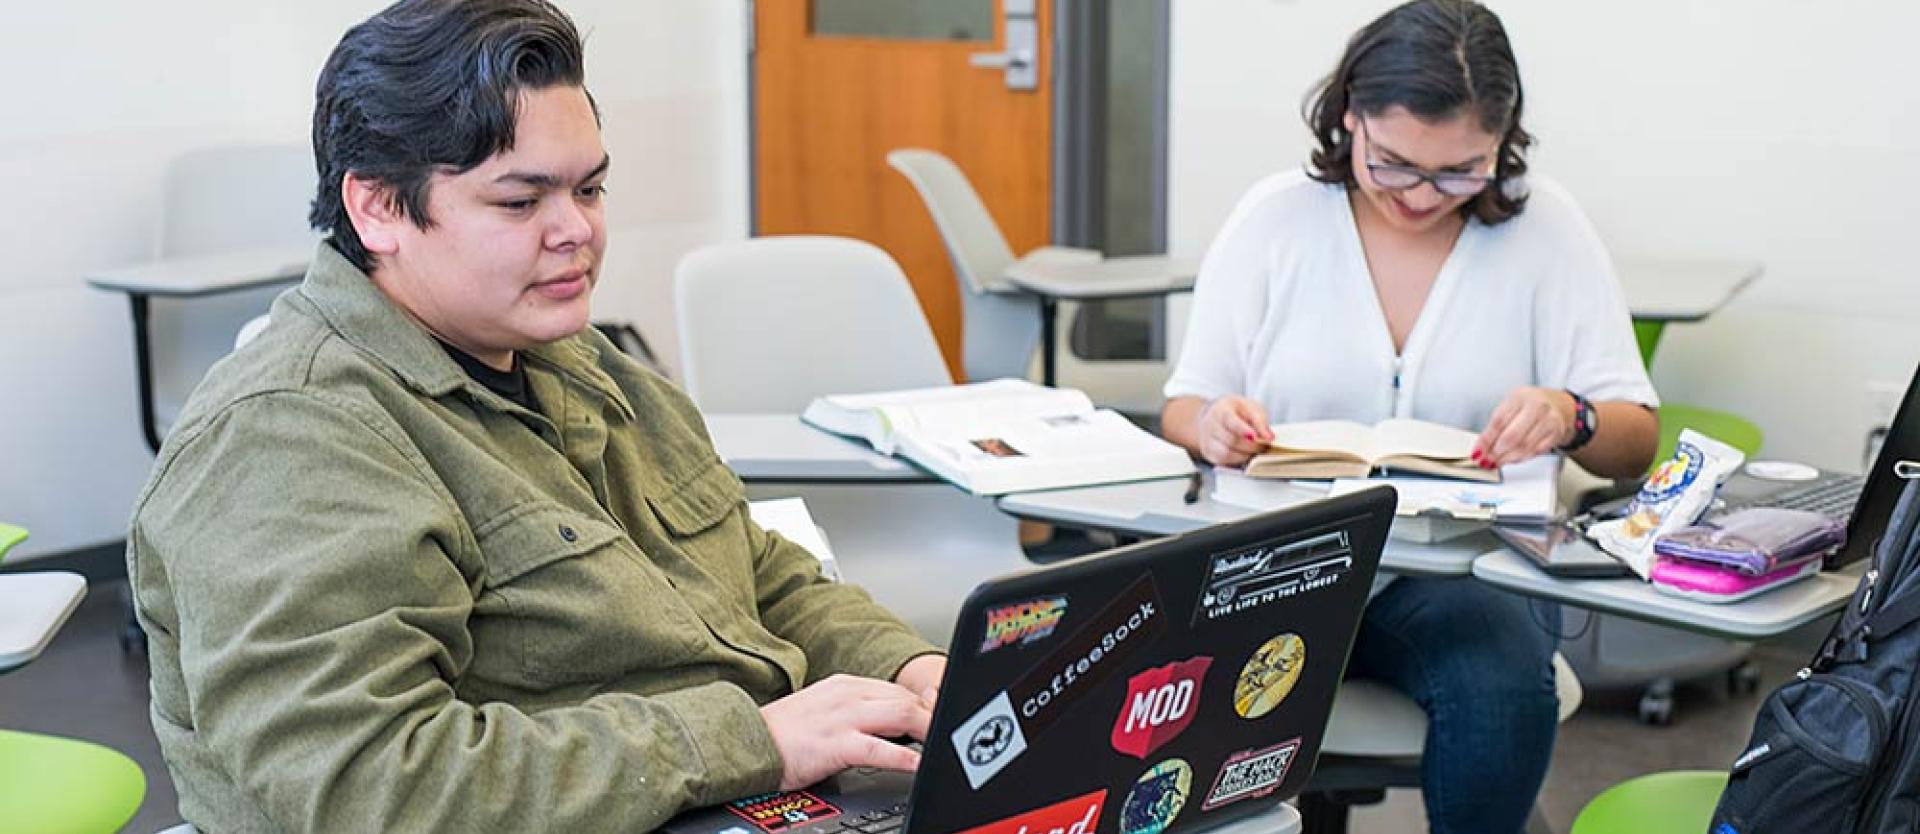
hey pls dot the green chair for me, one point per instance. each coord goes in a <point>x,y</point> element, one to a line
<point>1726,427</point>
<point>1675,802</point>
<point>54,785</point>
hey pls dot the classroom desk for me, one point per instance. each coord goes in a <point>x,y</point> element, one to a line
<point>1682,290</point>
<point>33,606</point>
<point>1159,508</point>
<point>191,278</point>
<point>1107,279</point>
<point>1767,615</point>
<point>778,447</point>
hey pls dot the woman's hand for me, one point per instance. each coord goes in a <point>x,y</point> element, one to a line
<point>1232,431</point>
<point>1528,423</point>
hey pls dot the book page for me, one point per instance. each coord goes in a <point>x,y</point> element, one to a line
<point>1527,493</point>
<point>1343,436</point>
<point>1421,439</point>
<point>878,417</point>
<point>1044,452</point>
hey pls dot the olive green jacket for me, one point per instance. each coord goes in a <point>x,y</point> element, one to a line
<point>380,597</point>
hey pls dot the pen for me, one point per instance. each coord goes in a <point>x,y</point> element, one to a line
<point>1193,488</point>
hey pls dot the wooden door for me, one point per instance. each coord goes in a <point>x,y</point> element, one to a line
<point>828,106</point>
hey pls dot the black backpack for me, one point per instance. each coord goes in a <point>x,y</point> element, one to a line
<point>1838,748</point>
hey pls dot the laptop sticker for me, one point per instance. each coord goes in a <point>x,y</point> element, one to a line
<point>1078,815</point>
<point>1156,798</point>
<point>1159,705</point>
<point>1250,577</point>
<point>1023,623</point>
<point>986,743</point>
<point>1251,773</point>
<point>782,810</point>
<point>1269,675</point>
<point>989,741</point>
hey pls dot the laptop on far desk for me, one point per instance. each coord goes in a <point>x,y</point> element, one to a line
<point>1171,686</point>
<point>1864,502</point>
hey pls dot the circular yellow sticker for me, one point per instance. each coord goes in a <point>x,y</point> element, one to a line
<point>1269,675</point>
<point>1156,798</point>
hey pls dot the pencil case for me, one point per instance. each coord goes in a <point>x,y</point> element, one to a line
<point>1707,582</point>
<point>1755,541</point>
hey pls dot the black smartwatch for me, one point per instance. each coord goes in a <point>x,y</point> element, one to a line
<point>1585,422</point>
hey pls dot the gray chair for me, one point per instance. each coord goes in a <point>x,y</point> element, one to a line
<point>768,324</point>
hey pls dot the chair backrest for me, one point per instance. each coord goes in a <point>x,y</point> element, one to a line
<point>233,197</point>
<point>999,330</point>
<point>768,324</point>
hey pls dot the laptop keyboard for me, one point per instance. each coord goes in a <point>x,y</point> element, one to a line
<point>885,821</point>
<point>1833,496</point>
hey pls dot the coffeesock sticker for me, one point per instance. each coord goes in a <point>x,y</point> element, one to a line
<point>1250,577</point>
<point>1023,623</point>
<point>782,810</point>
<point>1251,773</point>
<point>1156,798</point>
<point>1048,690</point>
<point>1079,815</point>
<point>1269,675</point>
<point>1160,704</point>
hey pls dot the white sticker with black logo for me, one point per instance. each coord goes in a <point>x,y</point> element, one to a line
<point>989,741</point>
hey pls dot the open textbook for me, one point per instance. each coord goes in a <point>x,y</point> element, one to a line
<point>1429,509</point>
<point>1344,449</point>
<point>1007,435</point>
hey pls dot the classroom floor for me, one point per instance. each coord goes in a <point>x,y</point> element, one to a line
<point>84,688</point>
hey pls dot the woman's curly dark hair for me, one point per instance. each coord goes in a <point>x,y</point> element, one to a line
<point>1436,58</point>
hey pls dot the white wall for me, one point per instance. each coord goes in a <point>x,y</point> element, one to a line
<point>105,92</point>
<point>1764,129</point>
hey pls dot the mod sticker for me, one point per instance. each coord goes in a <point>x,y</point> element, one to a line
<point>1078,815</point>
<point>1156,798</point>
<point>782,810</point>
<point>1250,577</point>
<point>1023,622</point>
<point>989,741</point>
<point>1160,704</point>
<point>1269,675</point>
<point>1251,773</point>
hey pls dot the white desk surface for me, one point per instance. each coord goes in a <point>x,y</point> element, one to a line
<point>1159,508</point>
<point>778,447</point>
<point>1682,290</point>
<point>1760,617</point>
<point>1128,277</point>
<point>207,274</point>
<point>33,606</point>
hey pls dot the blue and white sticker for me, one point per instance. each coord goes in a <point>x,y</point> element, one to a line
<point>989,741</point>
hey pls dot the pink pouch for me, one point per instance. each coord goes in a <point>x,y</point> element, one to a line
<point>1708,582</point>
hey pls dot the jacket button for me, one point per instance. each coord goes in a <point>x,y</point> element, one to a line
<point>567,533</point>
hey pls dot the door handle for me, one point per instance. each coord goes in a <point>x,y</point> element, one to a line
<point>1019,60</point>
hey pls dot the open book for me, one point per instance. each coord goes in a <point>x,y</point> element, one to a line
<point>1343,449</point>
<point>1007,435</point>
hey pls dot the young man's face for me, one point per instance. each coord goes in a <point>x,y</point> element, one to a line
<point>514,250</point>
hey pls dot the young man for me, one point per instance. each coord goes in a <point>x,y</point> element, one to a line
<point>430,554</point>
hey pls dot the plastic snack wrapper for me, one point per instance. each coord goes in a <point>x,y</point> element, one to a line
<point>1674,496</point>
<point>1756,541</point>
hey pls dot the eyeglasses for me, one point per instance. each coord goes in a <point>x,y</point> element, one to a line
<point>1403,177</point>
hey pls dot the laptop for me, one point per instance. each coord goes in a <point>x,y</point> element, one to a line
<point>1170,686</point>
<point>1864,502</point>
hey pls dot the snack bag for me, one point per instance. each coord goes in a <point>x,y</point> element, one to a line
<point>1674,496</point>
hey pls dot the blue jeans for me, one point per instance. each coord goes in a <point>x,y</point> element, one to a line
<point>1479,661</point>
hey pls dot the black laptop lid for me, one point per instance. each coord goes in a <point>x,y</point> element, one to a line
<point>1153,687</point>
<point>1883,486</point>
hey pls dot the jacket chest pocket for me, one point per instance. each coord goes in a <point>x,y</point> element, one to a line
<point>704,519</point>
<point>570,605</point>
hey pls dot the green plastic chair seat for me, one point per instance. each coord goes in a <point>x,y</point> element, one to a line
<point>60,786</point>
<point>1731,429</point>
<point>1675,802</point>
<point>10,536</point>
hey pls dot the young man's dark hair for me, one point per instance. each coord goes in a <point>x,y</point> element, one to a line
<point>426,86</point>
<point>1437,59</point>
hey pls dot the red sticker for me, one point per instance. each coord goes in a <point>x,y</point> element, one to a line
<point>1160,704</point>
<point>1079,815</point>
<point>781,810</point>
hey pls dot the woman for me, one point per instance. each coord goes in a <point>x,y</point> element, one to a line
<point>1413,271</point>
